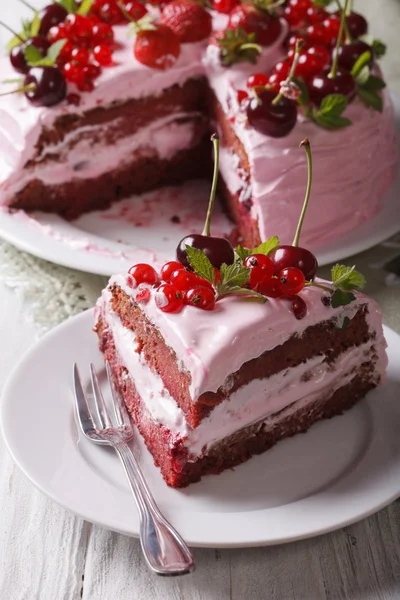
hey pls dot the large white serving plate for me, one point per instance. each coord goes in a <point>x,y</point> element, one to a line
<point>340,471</point>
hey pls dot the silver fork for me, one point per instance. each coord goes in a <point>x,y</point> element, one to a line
<point>164,549</point>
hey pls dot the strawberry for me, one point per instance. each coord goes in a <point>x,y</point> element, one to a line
<point>188,20</point>
<point>158,47</point>
<point>252,19</point>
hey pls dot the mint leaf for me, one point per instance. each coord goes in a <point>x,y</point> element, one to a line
<point>333,105</point>
<point>15,41</point>
<point>200,263</point>
<point>55,49</point>
<point>85,7</point>
<point>374,83</point>
<point>341,298</point>
<point>328,122</point>
<point>379,48</point>
<point>35,25</point>
<point>234,275</point>
<point>26,28</point>
<point>267,246</point>
<point>242,253</point>
<point>69,5</point>
<point>371,99</point>
<point>347,278</point>
<point>32,55</point>
<point>304,96</point>
<point>362,61</point>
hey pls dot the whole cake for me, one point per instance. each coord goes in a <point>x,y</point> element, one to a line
<point>119,98</point>
<point>222,353</point>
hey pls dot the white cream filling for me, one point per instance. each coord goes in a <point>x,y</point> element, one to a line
<point>258,401</point>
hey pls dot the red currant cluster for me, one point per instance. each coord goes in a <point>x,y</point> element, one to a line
<point>175,287</point>
<point>115,12</point>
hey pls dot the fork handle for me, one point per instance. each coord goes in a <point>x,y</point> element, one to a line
<point>163,547</point>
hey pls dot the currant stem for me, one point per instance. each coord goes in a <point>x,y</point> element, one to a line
<point>306,145</point>
<point>13,32</point>
<point>318,285</point>
<point>27,88</point>
<point>207,224</point>
<point>334,68</point>
<point>299,45</point>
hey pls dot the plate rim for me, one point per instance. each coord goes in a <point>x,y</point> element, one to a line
<point>29,356</point>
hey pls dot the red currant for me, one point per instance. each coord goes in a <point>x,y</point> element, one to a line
<point>314,60</point>
<point>296,12</point>
<point>291,281</point>
<point>91,71</point>
<point>111,13</point>
<point>84,84</point>
<point>332,27</point>
<point>143,273</point>
<point>257,80</point>
<point>135,10</point>
<point>224,6</point>
<point>316,14</point>
<point>294,256</point>
<point>102,33</point>
<point>80,55</point>
<point>241,96</point>
<point>79,28</point>
<point>185,280</point>
<point>279,73</point>
<point>299,307</point>
<point>65,53</point>
<point>57,33</point>
<point>270,288</point>
<point>143,295</point>
<point>74,99</point>
<point>168,298</point>
<point>72,72</point>
<point>201,297</point>
<point>261,269</point>
<point>169,268</point>
<point>317,34</point>
<point>103,55</point>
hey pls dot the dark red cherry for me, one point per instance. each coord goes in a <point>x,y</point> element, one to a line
<point>294,256</point>
<point>357,24</point>
<point>322,85</point>
<point>350,53</point>
<point>217,250</point>
<point>17,54</point>
<point>50,16</point>
<point>299,307</point>
<point>48,86</point>
<point>275,120</point>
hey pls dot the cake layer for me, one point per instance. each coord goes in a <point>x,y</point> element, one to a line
<point>255,418</point>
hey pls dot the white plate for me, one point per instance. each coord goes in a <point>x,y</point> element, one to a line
<point>340,471</point>
<point>140,229</point>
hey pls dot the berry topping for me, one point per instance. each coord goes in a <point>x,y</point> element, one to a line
<point>157,48</point>
<point>102,33</point>
<point>295,12</point>
<point>168,298</point>
<point>291,281</point>
<point>135,10</point>
<point>357,25</point>
<point>143,273</point>
<point>312,61</point>
<point>236,46</point>
<point>217,250</point>
<point>50,16</point>
<point>316,14</point>
<point>143,295</point>
<point>249,18</point>
<point>45,86</point>
<point>224,6</point>
<point>299,307</point>
<point>188,20</point>
<point>261,269</point>
<point>351,52</point>
<point>168,269</point>
<point>201,297</point>
<point>103,55</point>
<point>257,80</point>
<point>270,288</point>
<point>186,280</point>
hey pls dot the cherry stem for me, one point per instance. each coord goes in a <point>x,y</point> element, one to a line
<point>288,80</point>
<point>207,224</point>
<point>27,88</point>
<point>28,5</point>
<point>13,32</point>
<point>306,145</point>
<point>334,68</point>
<point>348,38</point>
<point>318,285</point>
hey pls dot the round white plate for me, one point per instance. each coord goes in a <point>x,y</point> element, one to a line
<point>340,471</point>
<point>140,229</point>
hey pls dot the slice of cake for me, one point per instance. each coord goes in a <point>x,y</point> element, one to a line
<point>217,362</point>
<point>120,114</point>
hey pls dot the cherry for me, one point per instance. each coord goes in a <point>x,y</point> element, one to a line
<point>18,60</point>
<point>294,256</point>
<point>299,307</point>
<point>201,297</point>
<point>168,269</point>
<point>102,33</point>
<point>295,12</point>
<point>266,27</point>
<point>224,6</point>
<point>257,80</point>
<point>218,250</point>
<point>142,273</point>
<point>350,53</point>
<point>47,86</point>
<point>186,280</point>
<point>168,298</point>
<point>50,16</point>
<point>270,288</point>
<point>275,120</point>
<point>291,281</point>
<point>356,24</point>
<point>261,269</point>
<point>323,85</point>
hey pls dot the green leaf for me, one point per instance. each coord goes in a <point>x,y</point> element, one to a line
<point>362,61</point>
<point>35,25</point>
<point>333,105</point>
<point>267,246</point>
<point>304,96</point>
<point>363,76</point>
<point>200,263</point>
<point>330,122</point>
<point>322,3</point>
<point>32,55</point>
<point>341,298</point>
<point>234,275</point>
<point>242,253</point>
<point>69,5</point>
<point>374,83</point>
<point>371,99</point>
<point>347,278</point>
<point>16,41</point>
<point>26,27</point>
<point>55,49</point>
<point>85,7</point>
<point>379,48</point>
